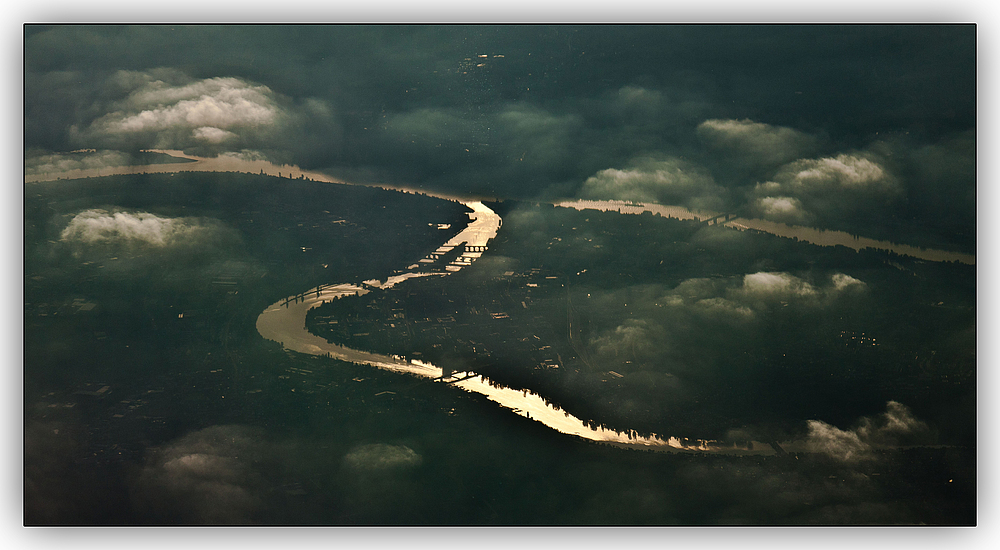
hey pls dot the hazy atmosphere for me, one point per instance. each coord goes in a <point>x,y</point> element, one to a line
<point>500,275</point>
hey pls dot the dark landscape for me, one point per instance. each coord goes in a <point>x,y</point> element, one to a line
<point>756,379</point>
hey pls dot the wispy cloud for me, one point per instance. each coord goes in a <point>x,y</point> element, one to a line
<point>753,143</point>
<point>205,477</point>
<point>380,456</point>
<point>896,425</point>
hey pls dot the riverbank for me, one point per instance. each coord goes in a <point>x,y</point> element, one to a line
<point>822,237</point>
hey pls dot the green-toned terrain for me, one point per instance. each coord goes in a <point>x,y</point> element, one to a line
<point>655,325</point>
<point>144,373</point>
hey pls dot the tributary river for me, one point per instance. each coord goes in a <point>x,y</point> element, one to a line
<point>284,321</point>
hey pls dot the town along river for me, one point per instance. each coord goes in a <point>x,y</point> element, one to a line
<point>285,322</point>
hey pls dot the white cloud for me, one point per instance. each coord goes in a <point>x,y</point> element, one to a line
<point>826,189</point>
<point>539,137</point>
<point>664,181</point>
<point>725,307</point>
<point>851,171</point>
<point>248,155</point>
<point>755,143</point>
<point>632,338</point>
<point>775,284</point>
<point>830,440</point>
<point>895,426</point>
<point>845,171</point>
<point>754,291</point>
<point>638,107</point>
<point>842,281</point>
<point>166,109</point>
<point>216,102</point>
<point>63,162</point>
<point>97,225</point>
<point>212,134</point>
<point>639,100</point>
<point>781,209</point>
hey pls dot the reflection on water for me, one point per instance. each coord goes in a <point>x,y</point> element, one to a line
<point>284,322</point>
<point>821,237</point>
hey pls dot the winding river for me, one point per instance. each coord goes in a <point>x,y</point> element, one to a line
<point>284,321</point>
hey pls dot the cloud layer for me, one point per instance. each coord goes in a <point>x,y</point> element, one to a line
<point>478,109</point>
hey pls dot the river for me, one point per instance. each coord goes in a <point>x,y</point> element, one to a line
<point>284,321</point>
<point>822,237</point>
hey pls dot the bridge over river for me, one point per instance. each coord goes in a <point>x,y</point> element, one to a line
<point>284,321</point>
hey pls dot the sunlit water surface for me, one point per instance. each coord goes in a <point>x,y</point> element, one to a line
<point>284,321</point>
